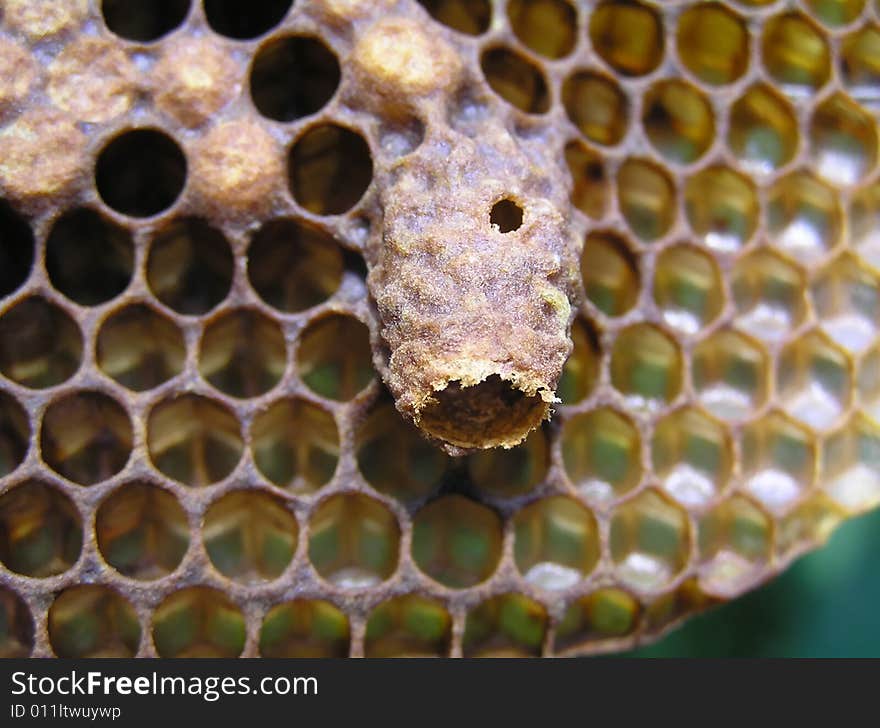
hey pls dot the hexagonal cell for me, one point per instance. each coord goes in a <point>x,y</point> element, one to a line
<point>189,266</point>
<point>597,106</point>
<point>354,541</point>
<point>198,621</point>
<point>601,451</point>
<point>864,227</point>
<point>16,249</point>
<point>687,288</point>
<point>836,12</point>
<point>590,190</point>
<point>730,374</point>
<point>556,542</point>
<point>142,531</point>
<point>334,358</point>
<point>250,536</point>
<point>243,353</point>
<point>610,273</point>
<point>803,216</point>
<point>674,606</point>
<point>768,292</point>
<point>628,36</point>
<point>581,371</point>
<point>763,131</point>
<point>860,65</point>
<point>692,455</point>
<point>408,626</point>
<point>713,43</point>
<point>143,20</point>
<point>868,382</point>
<point>15,434</point>
<point>678,121</point>
<point>140,348</point>
<point>226,17</point>
<point>86,437</point>
<point>814,380</point>
<point>40,344</point>
<point>851,465</point>
<point>456,541</point>
<point>16,626</point>
<point>511,472</point>
<point>466,16</point>
<point>606,614</point>
<point>193,440</point>
<point>735,542</point>
<point>808,526</point>
<point>305,628</point>
<point>843,141</point>
<point>646,366</point>
<point>650,542</point>
<point>548,27</point>
<point>516,80</point>
<point>295,445</point>
<point>294,266</point>
<point>795,53</point>
<point>846,295</point>
<point>508,625</point>
<point>646,196</point>
<point>722,208</point>
<point>778,460</point>
<point>93,621</point>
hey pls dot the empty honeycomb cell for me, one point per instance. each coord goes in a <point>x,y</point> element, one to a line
<point>803,216</point>
<point>89,258</point>
<point>678,121</point>
<point>851,464</point>
<point>140,172</point>
<point>86,436</point>
<point>190,266</point>
<point>242,353</point>
<point>795,53</point>
<point>294,266</point>
<point>810,524</point>
<point>408,626</point>
<point>603,615</point>
<point>466,16</point>
<point>16,626</point>
<point>93,620</point>
<point>590,188</point>
<point>40,530</point>
<point>628,36</point>
<point>142,531</point>
<point>334,357</point>
<point>193,439</point>
<point>16,249</point>
<point>15,434</point>
<point>143,20</point>
<point>228,17</point>
<point>329,169</point>
<point>836,12</point>
<point>293,76</point>
<point>305,628</point>
<point>722,208</point>
<point>713,43</point>
<point>846,298</point>
<point>597,106</point>
<point>730,374</point>
<point>198,621</point>
<point>394,457</point>
<point>581,371</point>
<point>646,366</point>
<point>860,65</point>
<point>250,536</point>
<point>778,461</point>
<point>693,456</point>
<point>511,472</point>
<point>507,625</point>
<point>295,445</point>
<point>763,131</point>
<point>669,609</point>
<point>687,288</point>
<point>40,344</point>
<point>516,80</point>
<point>646,197</point>
<point>650,542</point>
<point>556,542</point>
<point>140,348</point>
<point>864,223</point>
<point>610,273</point>
<point>601,451</point>
<point>548,27</point>
<point>354,541</point>
<point>843,141</point>
<point>456,541</point>
<point>814,380</point>
<point>735,544</point>
<point>506,215</point>
<point>768,292</point>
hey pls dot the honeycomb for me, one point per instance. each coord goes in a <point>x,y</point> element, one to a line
<point>205,273</point>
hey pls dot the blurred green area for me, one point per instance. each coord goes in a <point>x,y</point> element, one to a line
<point>826,605</point>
